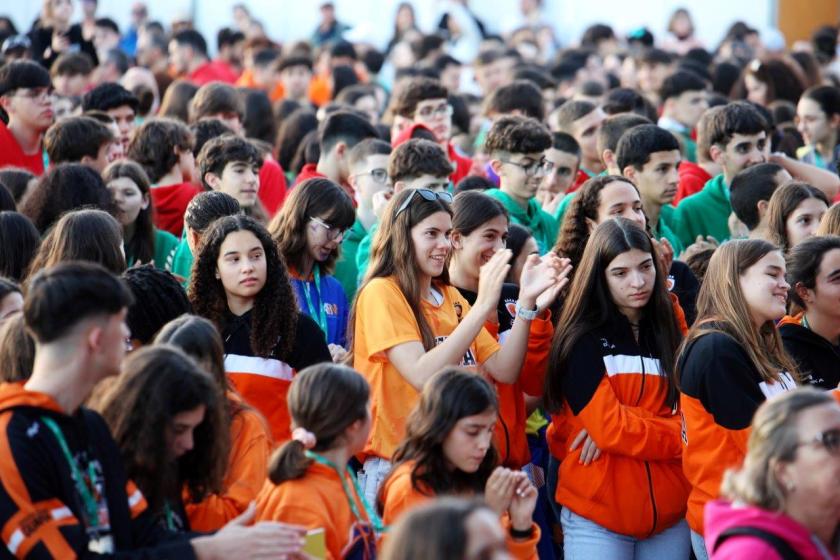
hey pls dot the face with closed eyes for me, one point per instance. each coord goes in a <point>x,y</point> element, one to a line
<point>765,288</point>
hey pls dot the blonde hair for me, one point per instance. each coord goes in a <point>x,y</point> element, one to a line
<point>830,223</point>
<point>722,307</point>
<point>774,439</point>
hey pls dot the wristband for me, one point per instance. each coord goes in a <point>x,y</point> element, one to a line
<point>527,314</point>
<point>522,535</point>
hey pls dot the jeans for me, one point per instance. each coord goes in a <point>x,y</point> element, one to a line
<point>585,540</point>
<point>698,544</point>
<point>371,476</point>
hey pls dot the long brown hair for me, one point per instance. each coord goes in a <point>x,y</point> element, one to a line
<point>141,246</point>
<point>324,399</point>
<point>589,306</point>
<point>722,308</point>
<point>392,254</point>
<point>784,202</point>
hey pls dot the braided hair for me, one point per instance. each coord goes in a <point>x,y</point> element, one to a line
<point>158,298</point>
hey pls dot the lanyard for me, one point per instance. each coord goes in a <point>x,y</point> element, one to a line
<point>90,504</point>
<point>805,322</point>
<point>170,523</point>
<point>374,519</point>
<point>318,314</point>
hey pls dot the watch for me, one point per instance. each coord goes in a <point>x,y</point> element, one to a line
<point>527,314</point>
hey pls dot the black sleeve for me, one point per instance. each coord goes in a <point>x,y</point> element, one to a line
<point>715,370</point>
<point>686,288</point>
<point>582,372</point>
<point>310,346</point>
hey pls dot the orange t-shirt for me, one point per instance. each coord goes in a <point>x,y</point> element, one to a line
<point>383,320</point>
<point>250,447</point>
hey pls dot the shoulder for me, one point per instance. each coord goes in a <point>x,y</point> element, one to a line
<point>379,287</point>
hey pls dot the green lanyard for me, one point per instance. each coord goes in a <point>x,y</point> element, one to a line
<point>374,519</point>
<point>170,523</point>
<point>318,314</point>
<point>90,504</point>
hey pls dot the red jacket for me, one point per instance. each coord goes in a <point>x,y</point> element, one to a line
<point>170,202</point>
<point>273,186</point>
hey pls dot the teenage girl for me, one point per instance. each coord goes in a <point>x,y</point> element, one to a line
<point>239,282</point>
<point>794,214</point>
<point>731,361</point>
<point>611,373</point>
<point>309,230</point>
<point>408,322</point>
<point>818,116</point>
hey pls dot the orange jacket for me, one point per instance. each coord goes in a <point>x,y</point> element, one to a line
<point>247,468</point>
<point>398,496</point>
<point>316,500</point>
<point>617,392</point>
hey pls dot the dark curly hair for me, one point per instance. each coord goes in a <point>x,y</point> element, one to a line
<point>413,91</point>
<point>158,299</point>
<point>517,135</point>
<point>157,383</point>
<point>154,144</point>
<point>275,312</point>
<point>449,396</point>
<point>418,157</point>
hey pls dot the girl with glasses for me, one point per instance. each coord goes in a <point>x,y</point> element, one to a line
<point>309,230</point>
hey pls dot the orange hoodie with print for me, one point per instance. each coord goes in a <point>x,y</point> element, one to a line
<point>398,496</point>
<point>250,447</point>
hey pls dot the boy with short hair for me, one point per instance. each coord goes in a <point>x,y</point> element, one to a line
<point>368,166</point>
<point>295,74</point>
<point>652,67</point>
<point>516,147</point>
<point>425,101</point>
<point>738,140</point>
<point>231,164</point>
<point>564,156</point>
<point>693,176</point>
<point>582,120</point>
<point>71,74</point>
<point>520,97</point>
<point>750,194</point>
<point>649,156</point>
<point>26,97</point>
<point>118,102</point>
<point>82,140</point>
<point>164,148</point>
<point>684,101</point>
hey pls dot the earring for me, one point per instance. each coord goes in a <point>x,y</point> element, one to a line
<point>790,486</point>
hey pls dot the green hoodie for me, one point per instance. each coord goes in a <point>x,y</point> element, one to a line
<point>542,225</point>
<point>346,270</point>
<point>180,264</point>
<point>704,213</point>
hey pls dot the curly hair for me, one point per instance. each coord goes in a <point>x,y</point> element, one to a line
<point>517,135</point>
<point>418,157</point>
<point>154,145</point>
<point>158,299</point>
<point>275,312</point>
<point>414,91</point>
<point>155,385</point>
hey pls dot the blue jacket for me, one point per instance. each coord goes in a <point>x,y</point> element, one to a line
<point>331,295</point>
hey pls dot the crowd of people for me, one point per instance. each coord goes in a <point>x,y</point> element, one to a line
<point>465,296</point>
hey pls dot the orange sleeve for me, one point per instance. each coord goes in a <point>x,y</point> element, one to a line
<point>629,431</point>
<point>836,394</point>
<point>247,471</point>
<point>679,314</point>
<point>524,549</point>
<point>399,496</point>
<point>532,378</point>
<point>384,319</point>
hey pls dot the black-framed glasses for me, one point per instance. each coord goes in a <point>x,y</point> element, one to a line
<point>427,195</point>
<point>829,439</point>
<point>542,166</point>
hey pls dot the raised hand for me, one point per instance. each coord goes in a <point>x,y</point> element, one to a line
<point>490,280</point>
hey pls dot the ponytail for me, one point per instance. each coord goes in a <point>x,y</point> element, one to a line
<point>289,462</point>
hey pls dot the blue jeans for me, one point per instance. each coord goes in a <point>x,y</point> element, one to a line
<point>585,540</point>
<point>698,544</point>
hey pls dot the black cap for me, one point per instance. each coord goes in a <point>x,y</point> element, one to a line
<point>16,42</point>
<point>23,74</point>
<point>109,96</point>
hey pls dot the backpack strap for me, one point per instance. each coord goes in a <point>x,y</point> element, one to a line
<point>781,546</point>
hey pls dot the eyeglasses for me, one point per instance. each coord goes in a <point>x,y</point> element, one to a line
<point>333,234</point>
<point>379,175</point>
<point>36,94</point>
<point>829,439</point>
<point>444,110</point>
<point>543,166</point>
<point>427,195</point>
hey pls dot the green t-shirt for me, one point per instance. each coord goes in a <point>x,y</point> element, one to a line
<point>543,226</point>
<point>165,244</point>
<point>181,262</point>
<point>346,269</point>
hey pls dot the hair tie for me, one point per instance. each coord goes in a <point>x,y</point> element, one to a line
<point>305,437</point>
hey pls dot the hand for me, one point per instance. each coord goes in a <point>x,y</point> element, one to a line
<point>551,202</point>
<point>548,297</point>
<point>337,352</point>
<point>522,504</point>
<point>541,274</point>
<point>666,254</point>
<point>264,540</point>
<point>60,42</point>
<point>491,277</point>
<point>590,451</point>
<point>700,244</point>
<point>498,492</point>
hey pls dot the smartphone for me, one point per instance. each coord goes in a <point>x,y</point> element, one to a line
<point>316,544</point>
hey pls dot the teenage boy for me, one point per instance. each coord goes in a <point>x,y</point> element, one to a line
<point>223,102</point>
<point>71,74</point>
<point>231,164</point>
<point>339,132</point>
<point>737,140</point>
<point>164,148</point>
<point>564,156</point>
<point>684,101</point>
<point>649,156</point>
<point>368,165</point>
<point>425,101</point>
<point>750,194</point>
<point>26,97</point>
<point>295,72</point>
<point>516,147</point>
<point>188,58</point>
<point>582,120</point>
<point>693,176</point>
<point>64,491</point>
<point>118,102</point>
<point>415,164</point>
<point>81,140</point>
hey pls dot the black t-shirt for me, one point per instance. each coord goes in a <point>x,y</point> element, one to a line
<point>505,310</point>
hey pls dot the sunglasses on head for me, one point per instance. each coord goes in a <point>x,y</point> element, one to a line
<point>427,195</point>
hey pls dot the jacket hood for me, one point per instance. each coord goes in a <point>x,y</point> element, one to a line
<point>13,395</point>
<point>721,515</point>
<point>790,327</point>
<point>408,133</point>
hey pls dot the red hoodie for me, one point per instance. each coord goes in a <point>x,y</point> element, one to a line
<point>721,515</point>
<point>273,186</point>
<point>692,179</point>
<point>170,202</point>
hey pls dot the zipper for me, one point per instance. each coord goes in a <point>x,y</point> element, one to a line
<point>652,499</point>
<point>644,376</point>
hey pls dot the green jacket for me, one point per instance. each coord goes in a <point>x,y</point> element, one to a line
<point>363,253</point>
<point>704,213</point>
<point>663,229</point>
<point>562,208</point>
<point>543,226</point>
<point>165,244</point>
<point>181,262</point>
<point>346,269</point>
